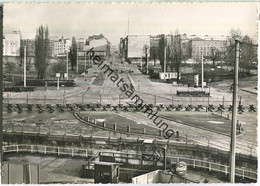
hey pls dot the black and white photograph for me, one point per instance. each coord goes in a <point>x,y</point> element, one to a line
<point>129,93</point>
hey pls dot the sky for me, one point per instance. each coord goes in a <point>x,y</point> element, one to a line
<point>111,19</point>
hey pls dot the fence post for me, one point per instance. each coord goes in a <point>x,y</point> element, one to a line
<point>209,166</point>
<point>38,175</point>
<point>115,127</point>
<point>226,172</point>
<point>31,148</point>
<point>17,148</point>
<point>194,163</point>
<point>86,153</point>
<point>58,151</point>
<point>243,175</point>
<point>72,152</point>
<point>8,172</point>
<point>45,149</point>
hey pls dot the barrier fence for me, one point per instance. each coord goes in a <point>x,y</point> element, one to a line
<point>79,152</point>
<point>84,98</point>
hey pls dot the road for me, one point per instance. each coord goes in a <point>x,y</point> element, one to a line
<point>95,87</point>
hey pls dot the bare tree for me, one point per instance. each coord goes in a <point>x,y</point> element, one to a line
<point>215,55</point>
<point>41,51</point>
<point>234,34</point>
<point>247,55</point>
<point>247,51</point>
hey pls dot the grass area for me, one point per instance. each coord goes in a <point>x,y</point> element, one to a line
<point>200,119</point>
<point>122,122</point>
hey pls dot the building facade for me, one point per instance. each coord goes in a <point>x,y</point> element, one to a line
<point>61,47</point>
<point>132,47</point>
<point>205,47</point>
<point>12,44</point>
<point>100,45</point>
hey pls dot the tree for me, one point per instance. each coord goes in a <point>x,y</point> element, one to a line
<point>41,51</point>
<point>146,48</point>
<point>28,63</point>
<point>59,67</point>
<point>175,53</point>
<point>10,67</point>
<point>73,53</point>
<point>234,34</point>
<point>21,55</point>
<point>215,55</point>
<point>161,47</point>
<point>247,54</point>
<point>247,51</point>
<point>154,54</point>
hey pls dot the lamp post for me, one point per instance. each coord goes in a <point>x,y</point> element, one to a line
<point>67,64</point>
<point>24,68</point>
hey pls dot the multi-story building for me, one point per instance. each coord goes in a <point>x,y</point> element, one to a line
<point>132,47</point>
<point>12,44</point>
<point>61,46</point>
<point>207,46</point>
<point>80,44</point>
<point>100,45</point>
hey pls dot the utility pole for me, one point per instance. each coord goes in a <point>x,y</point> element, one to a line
<point>67,65</point>
<point>128,22</point>
<point>24,68</point>
<point>77,62</point>
<point>164,64</point>
<point>234,117</point>
<point>202,71</point>
<point>85,60</point>
<point>141,62</point>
